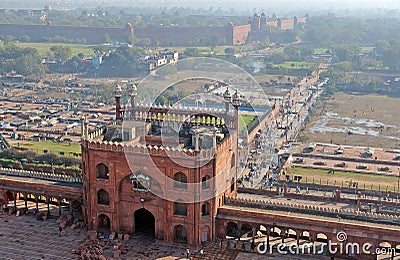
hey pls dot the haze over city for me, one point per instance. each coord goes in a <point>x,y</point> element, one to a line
<point>236,6</point>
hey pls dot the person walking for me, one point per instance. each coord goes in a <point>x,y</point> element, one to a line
<point>187,253</point>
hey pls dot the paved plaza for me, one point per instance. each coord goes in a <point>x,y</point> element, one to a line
<point>25,237</point>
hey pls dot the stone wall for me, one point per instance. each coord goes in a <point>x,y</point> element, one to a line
<point>40,33</point>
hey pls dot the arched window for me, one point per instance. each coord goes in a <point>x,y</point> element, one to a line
<point>233,160</point>
<point>103,197</point>
<point>180,209</point>
<point>233,184</point>
<point>205,209</point>
<point>102,171</point>
<point>205,183</point>
<point>180,181</point>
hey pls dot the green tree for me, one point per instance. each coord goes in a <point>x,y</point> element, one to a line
<point>61,53</point>
<point>107,38</point>
<point>191,52</point>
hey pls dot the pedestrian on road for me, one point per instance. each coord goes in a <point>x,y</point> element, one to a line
<point>201,253</point>
<point>187,253</point>
<point>60,229</point>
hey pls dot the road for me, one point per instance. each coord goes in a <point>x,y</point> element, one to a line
<point>275,134</point>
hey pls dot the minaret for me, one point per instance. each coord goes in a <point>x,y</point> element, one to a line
<point>117,95</point>
<point>228,99</point>
<point>82,126</point>
<point>236,105</point>
<point>132,94</point>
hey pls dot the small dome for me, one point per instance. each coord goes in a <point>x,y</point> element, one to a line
<point>117,90</point>
<point>132,89</point>
<point>227,95</point>
<point>236,99</point>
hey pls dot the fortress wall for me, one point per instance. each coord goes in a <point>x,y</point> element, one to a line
<point>273,23</point>
<point>182,36</point>
<point>287,24</point>
<point>240,33</point>
<point>38,33</point>
<point>302,19</point>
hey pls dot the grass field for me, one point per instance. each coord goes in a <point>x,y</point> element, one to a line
<point>51,147</point>
<point>296,65</point>
<point>245,121</point>
<point>44,48</point>
<point>374,181</point>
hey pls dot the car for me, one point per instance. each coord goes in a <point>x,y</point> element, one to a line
<point>319,163</point>
<point>299,160</point>
<point>340,150</point>
<point>397,157</point>
<point>308,149</point>
<point>383,169</point>
<point>362,167</point>
<point>342,164</point>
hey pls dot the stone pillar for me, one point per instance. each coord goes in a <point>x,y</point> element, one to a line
<point>70,208</point>
<point>59,206</point>
<point>48,205</point>
<point>37,202</point>
<point>337,195</point>
<point>253,234</point>
<point>26,200</point>
<point>285,189</point>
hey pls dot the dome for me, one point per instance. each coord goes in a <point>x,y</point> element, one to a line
<point>117,91</point>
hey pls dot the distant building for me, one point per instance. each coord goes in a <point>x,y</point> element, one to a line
<point>153,62</point>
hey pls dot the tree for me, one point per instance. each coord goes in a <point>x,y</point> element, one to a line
<point>381,46</point>
<point>9,38</point>
<point>61,53</point>
<point>229,50</point>
<point>107,38</point>
<point>391,58</point>
<point>212,41</point>
<point>191,52</point>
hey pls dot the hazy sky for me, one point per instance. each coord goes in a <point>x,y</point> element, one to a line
<point>244,6</point>
<point>343,4</point>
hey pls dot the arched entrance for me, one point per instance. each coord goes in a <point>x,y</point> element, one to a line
<point>144,222</point>
<point>103,222</point>
<point>232,229</point>
<point>9,197</point>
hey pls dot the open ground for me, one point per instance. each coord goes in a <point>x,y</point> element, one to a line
<point>360,120</point>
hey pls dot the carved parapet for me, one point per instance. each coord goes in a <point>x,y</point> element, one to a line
<point>147,149</point>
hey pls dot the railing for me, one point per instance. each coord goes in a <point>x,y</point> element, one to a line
<point>40,175</point>
<point>302,208</point>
